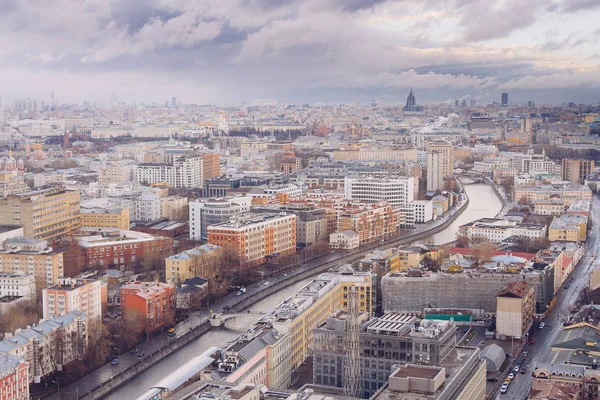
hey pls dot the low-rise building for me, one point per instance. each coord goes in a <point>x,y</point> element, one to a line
<point>18,284</point>
<point>189,263</point>
<point>568,228</point>
<point>344,240</point>
<point>515,306</point>
<point>69,294</point>
<point>174,208</point>
<point>549,207</point>
<point>105,218</point>
<point>147,207</point>
<point>155,302</point>
<point>496,230</point>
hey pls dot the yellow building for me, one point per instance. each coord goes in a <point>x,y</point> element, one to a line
<point>568,228</point>
<point>105,218</point>
<point>515,306</point>
<point>11,183</point>
<point>47,213</point>
<point>174,208</point>
<point>21,254</point>
<point>190,263</point>
<point>310,307</point>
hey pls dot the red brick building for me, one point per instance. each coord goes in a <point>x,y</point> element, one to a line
<point>121,249</point>
<point>155,301</point>
<point>14,378</point>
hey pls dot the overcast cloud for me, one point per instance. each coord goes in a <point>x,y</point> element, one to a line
<point>228,51</point>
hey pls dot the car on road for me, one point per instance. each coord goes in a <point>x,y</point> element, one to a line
<point>504,388</point>
<point>266,283</point>
<point>511,376</point>
<point>542,325</point>
<point>226,308</point>
<point>566,286</point>
<point>532,341</point>
<point>171,332</point>
<point>115,362</point>
<point>241,291</point>
<point>134,350</point>
<point>492,379</point>
<point>515,369</point>
<point>523,370</point>
<point>140,354</point>
<point>525,353</point>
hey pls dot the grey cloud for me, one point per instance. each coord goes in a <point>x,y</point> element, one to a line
<point>579,5</point>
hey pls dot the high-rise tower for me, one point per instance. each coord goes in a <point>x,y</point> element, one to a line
<point>411,102</point>
<point>352,375</point>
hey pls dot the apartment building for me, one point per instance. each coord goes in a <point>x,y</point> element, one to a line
<point>184,172</point>
<point>515,308</point>
<point>409,154</point>
<point>105,218</point>
<point>154,301</point>
<point>120,249</point>
<point>211,165</point>
<point>69,294</point>
<point>577,170</point>
<point>116,173</point>
<point>397,191</point>
<point>45,213</point>
<point>435,173</point>
<point>256,237</point>
<point>205,212</point>
<point>393,338</point>
<point>190,263</point>
<point>173,207</point>
<point>423,210</point>
<point>568,228</point>
<point>372,222</point>
<point>31,256</point>
<point>14,378</point>
<point>11,183</point>
<point>147,207</point>
<point>50,345</point>
<point>549,207</point>
<point>17,284</point>
<point>446,151</point>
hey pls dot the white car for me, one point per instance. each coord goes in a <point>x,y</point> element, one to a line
<point>504,388</point>
<point>542,325</point>
<point>267,283</point>
<point>511,376</point>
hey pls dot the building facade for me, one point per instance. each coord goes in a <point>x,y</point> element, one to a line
<point>515,308</point>
<point>397,191</point>
<point>214,211</point>
<point>446,155</point>
<point>71,294</point>
<point>105,218</point>
<point>14,378</point>
<point>154,301</point>
<point>32,256</point>
<point>17,284</point>
<point>183,172</point>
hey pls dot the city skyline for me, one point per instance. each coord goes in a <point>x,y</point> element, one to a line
<point>301,51</point>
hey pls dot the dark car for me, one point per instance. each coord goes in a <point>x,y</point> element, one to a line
<point>226,308</point>
<point>115,362</point>
<point>134,350</point>
<point>492,379</point>
<point>140,354</point>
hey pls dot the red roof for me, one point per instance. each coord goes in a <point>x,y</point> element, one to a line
<point>469,251</point>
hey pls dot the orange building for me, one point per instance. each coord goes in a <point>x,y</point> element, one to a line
<point>211,165</point>
<point>14,378</point>
<point>256,236</point>
<point>155,301</point>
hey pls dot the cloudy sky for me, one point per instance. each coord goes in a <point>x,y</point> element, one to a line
<point>227,51</point>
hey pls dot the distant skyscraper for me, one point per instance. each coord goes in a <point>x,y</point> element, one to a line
<point>463,103</point>
<point>174,101</point>
<point>455,103</point>
<point>473,103</point>
<point>531,104</point>
<point>411,103</point>
<point>504,102</point>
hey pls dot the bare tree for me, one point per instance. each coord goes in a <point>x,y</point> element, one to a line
<point>100,344</point>
<point>484,252</point>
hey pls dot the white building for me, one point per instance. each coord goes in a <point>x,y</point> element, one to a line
<point>184,172</point>
<point>397,191</point>
<point>205,212</point>
<point>17,284</point>
<point>496,230</point>
<point>435,174</point>
<point>423,210</point>
<point>346,240</point>
<point>147,207</point>
<point>69,294</point>
<point>289,189</point>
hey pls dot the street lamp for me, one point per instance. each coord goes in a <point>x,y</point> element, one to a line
<point>58,386</point>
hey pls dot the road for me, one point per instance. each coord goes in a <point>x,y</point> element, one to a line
<point>539,351</point>
<point>104,373</point>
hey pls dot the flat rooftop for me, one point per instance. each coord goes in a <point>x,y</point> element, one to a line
<point>417,372</point>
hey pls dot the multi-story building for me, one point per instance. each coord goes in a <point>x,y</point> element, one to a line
<point>173,207</point>
<point>423,210</point>
<point>311,221</point>
<point>69,294</point>
<point>17,284</point>
<point>577,170</point>
<point>31,256</point>
<point>211,165</point>
<point>46,213</point>
<point>147,207</point>
<point>435,172</point>
<point>11,183</point>
<point>372,222</point>
<point>256,237</point>
<point>183,172</point>
<point>14,378</point>
<point>154,301</point>
<point>190,263</point>
<point>117,248</point>
<point>568,228</point>
<point>383,342</point>
<point>549,207</point>
<point>215,211</point>
<point>50,345</point>
<point>496,230</point>
<point>568,193</point>
<point>105,218</point>
<point>116,173</point>
<point>446,151</point>
<point>408,154</point>
<point>397,191</point>
<point>515,307</point>
<point>529,162</point>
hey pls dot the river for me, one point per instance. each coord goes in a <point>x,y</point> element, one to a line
<point>483,203</point>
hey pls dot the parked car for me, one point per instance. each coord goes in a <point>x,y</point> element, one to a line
<point>226,308</point>
<point>135,350</point>
<point>532,340</point>
<point>515,369</point>
<point>115,361</point>
<point>566,286</point>
<point>504,388</point>
<point>140,354</point>
<point>542,325</point>
<point>511,376</point>
<point>523,370</point>
<point>171,332</point>
<point>492,379</point>
<point>266,283</point>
